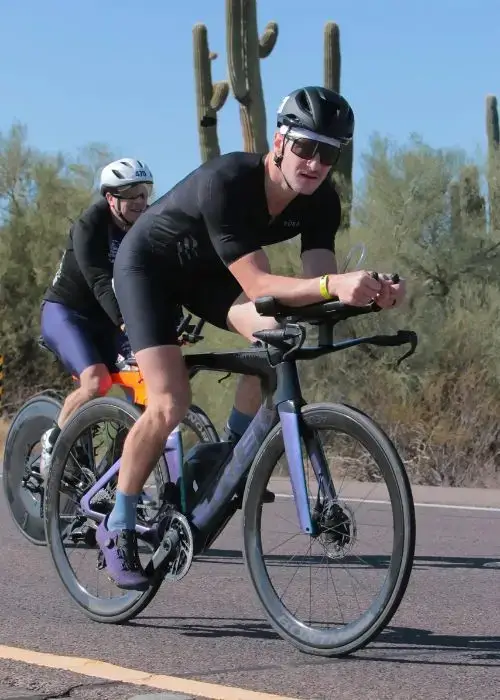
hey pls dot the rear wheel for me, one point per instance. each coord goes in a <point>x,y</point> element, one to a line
<point>95,594</point>
<point>22,482</point>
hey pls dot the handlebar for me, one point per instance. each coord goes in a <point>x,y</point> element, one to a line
<point>325,314</point>
<point>335,310</point>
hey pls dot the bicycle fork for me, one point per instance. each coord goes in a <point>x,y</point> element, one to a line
<point>288,402</point>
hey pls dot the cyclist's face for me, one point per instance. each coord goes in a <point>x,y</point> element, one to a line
<point>132,202</point>
<point>302,167</point>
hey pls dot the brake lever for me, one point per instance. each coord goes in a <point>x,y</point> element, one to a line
<point>402,337</point>
<point>301,335</point>
<point>413,340</point>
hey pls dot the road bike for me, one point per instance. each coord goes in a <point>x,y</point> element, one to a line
<point>24,485</point>
<point>206,487</point>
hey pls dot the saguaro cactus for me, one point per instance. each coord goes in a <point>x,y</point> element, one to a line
<point>244,51</point>
<point>493,133</point>
<point>332,64</point>
<point>472,203</point>
<point>331,56</point>
<point>210,98</point>
<point>455,207</point>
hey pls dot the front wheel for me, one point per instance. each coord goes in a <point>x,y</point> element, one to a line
<point>378,491</point>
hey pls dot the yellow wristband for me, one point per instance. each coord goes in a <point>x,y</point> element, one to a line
<point>323,288</point>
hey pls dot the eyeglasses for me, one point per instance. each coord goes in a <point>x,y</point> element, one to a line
<point>134,191</point>
<point>307,149</point>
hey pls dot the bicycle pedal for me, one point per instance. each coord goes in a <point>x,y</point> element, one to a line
<point>101,563</point>
<point>269,497</point>
<point>32,485</point>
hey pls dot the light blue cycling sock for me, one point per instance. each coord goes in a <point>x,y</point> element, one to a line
<point>124,514</point>
<point>238,422</point>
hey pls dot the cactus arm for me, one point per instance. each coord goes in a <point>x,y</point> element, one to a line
<point>244,51</point>
<point>209,98</point>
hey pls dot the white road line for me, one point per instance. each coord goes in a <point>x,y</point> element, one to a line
<point>486,509</point>
<point>489,509</point>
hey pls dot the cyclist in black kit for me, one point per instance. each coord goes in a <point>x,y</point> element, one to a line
<point>80,318</point>
<point>201,245</point>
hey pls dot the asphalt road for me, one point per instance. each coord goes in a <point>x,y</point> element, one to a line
<point>444,642</point>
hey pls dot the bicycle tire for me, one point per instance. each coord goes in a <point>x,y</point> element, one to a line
<point>110,611</point>
<point>35,416</point>
<point>362,428</point>
<point>198,421</point>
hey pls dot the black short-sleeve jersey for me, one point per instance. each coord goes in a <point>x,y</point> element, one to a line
<point>219,213</point>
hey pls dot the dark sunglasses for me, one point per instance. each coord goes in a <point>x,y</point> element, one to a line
<point>134,192</point>
<point>307,149</point>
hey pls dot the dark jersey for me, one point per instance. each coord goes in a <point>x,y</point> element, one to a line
<point>219,213</point>
<point>83,280</point>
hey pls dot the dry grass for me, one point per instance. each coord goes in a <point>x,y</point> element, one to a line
<point>4,427</point>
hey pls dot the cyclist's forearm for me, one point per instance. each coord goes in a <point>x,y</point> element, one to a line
<point>104,294</point>
<point>289,290</point>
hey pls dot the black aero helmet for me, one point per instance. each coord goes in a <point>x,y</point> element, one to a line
<point>319,110</point>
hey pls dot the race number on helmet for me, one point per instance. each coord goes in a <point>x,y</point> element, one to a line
<point>124,172</point>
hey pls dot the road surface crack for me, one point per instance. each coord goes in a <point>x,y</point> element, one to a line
<point>66,693</point>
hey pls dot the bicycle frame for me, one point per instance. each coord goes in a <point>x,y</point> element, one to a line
<point>282,402</point>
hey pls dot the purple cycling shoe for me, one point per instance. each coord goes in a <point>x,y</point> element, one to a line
<point>121,557</point>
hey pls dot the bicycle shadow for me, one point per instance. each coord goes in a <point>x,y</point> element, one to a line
<point>477,647</point>
<point>473,649</point>
<point>209,627</point>
<point>420,562</point>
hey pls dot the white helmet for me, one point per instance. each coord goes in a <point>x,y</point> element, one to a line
<point>123,172</point>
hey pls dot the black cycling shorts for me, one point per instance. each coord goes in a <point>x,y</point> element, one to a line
<point>150,285</point>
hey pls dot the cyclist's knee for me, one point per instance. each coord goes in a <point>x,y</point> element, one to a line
<point>166,410</point>
<point>95,381</point>
<point>167,385</point>
<point>243,318</point>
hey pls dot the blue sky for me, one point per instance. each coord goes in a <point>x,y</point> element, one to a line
<point>122,72</point>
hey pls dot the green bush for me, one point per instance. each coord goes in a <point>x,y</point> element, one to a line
<point>39,198</point>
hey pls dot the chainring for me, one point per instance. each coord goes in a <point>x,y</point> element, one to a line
<point>180,564</point>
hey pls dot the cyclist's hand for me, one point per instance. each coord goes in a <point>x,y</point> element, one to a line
<point>392,293</point>
<point>357,288</point>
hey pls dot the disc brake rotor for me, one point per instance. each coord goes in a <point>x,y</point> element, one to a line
<point>337,526</point>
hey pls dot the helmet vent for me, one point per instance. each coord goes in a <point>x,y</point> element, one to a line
<point>303,102</point>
